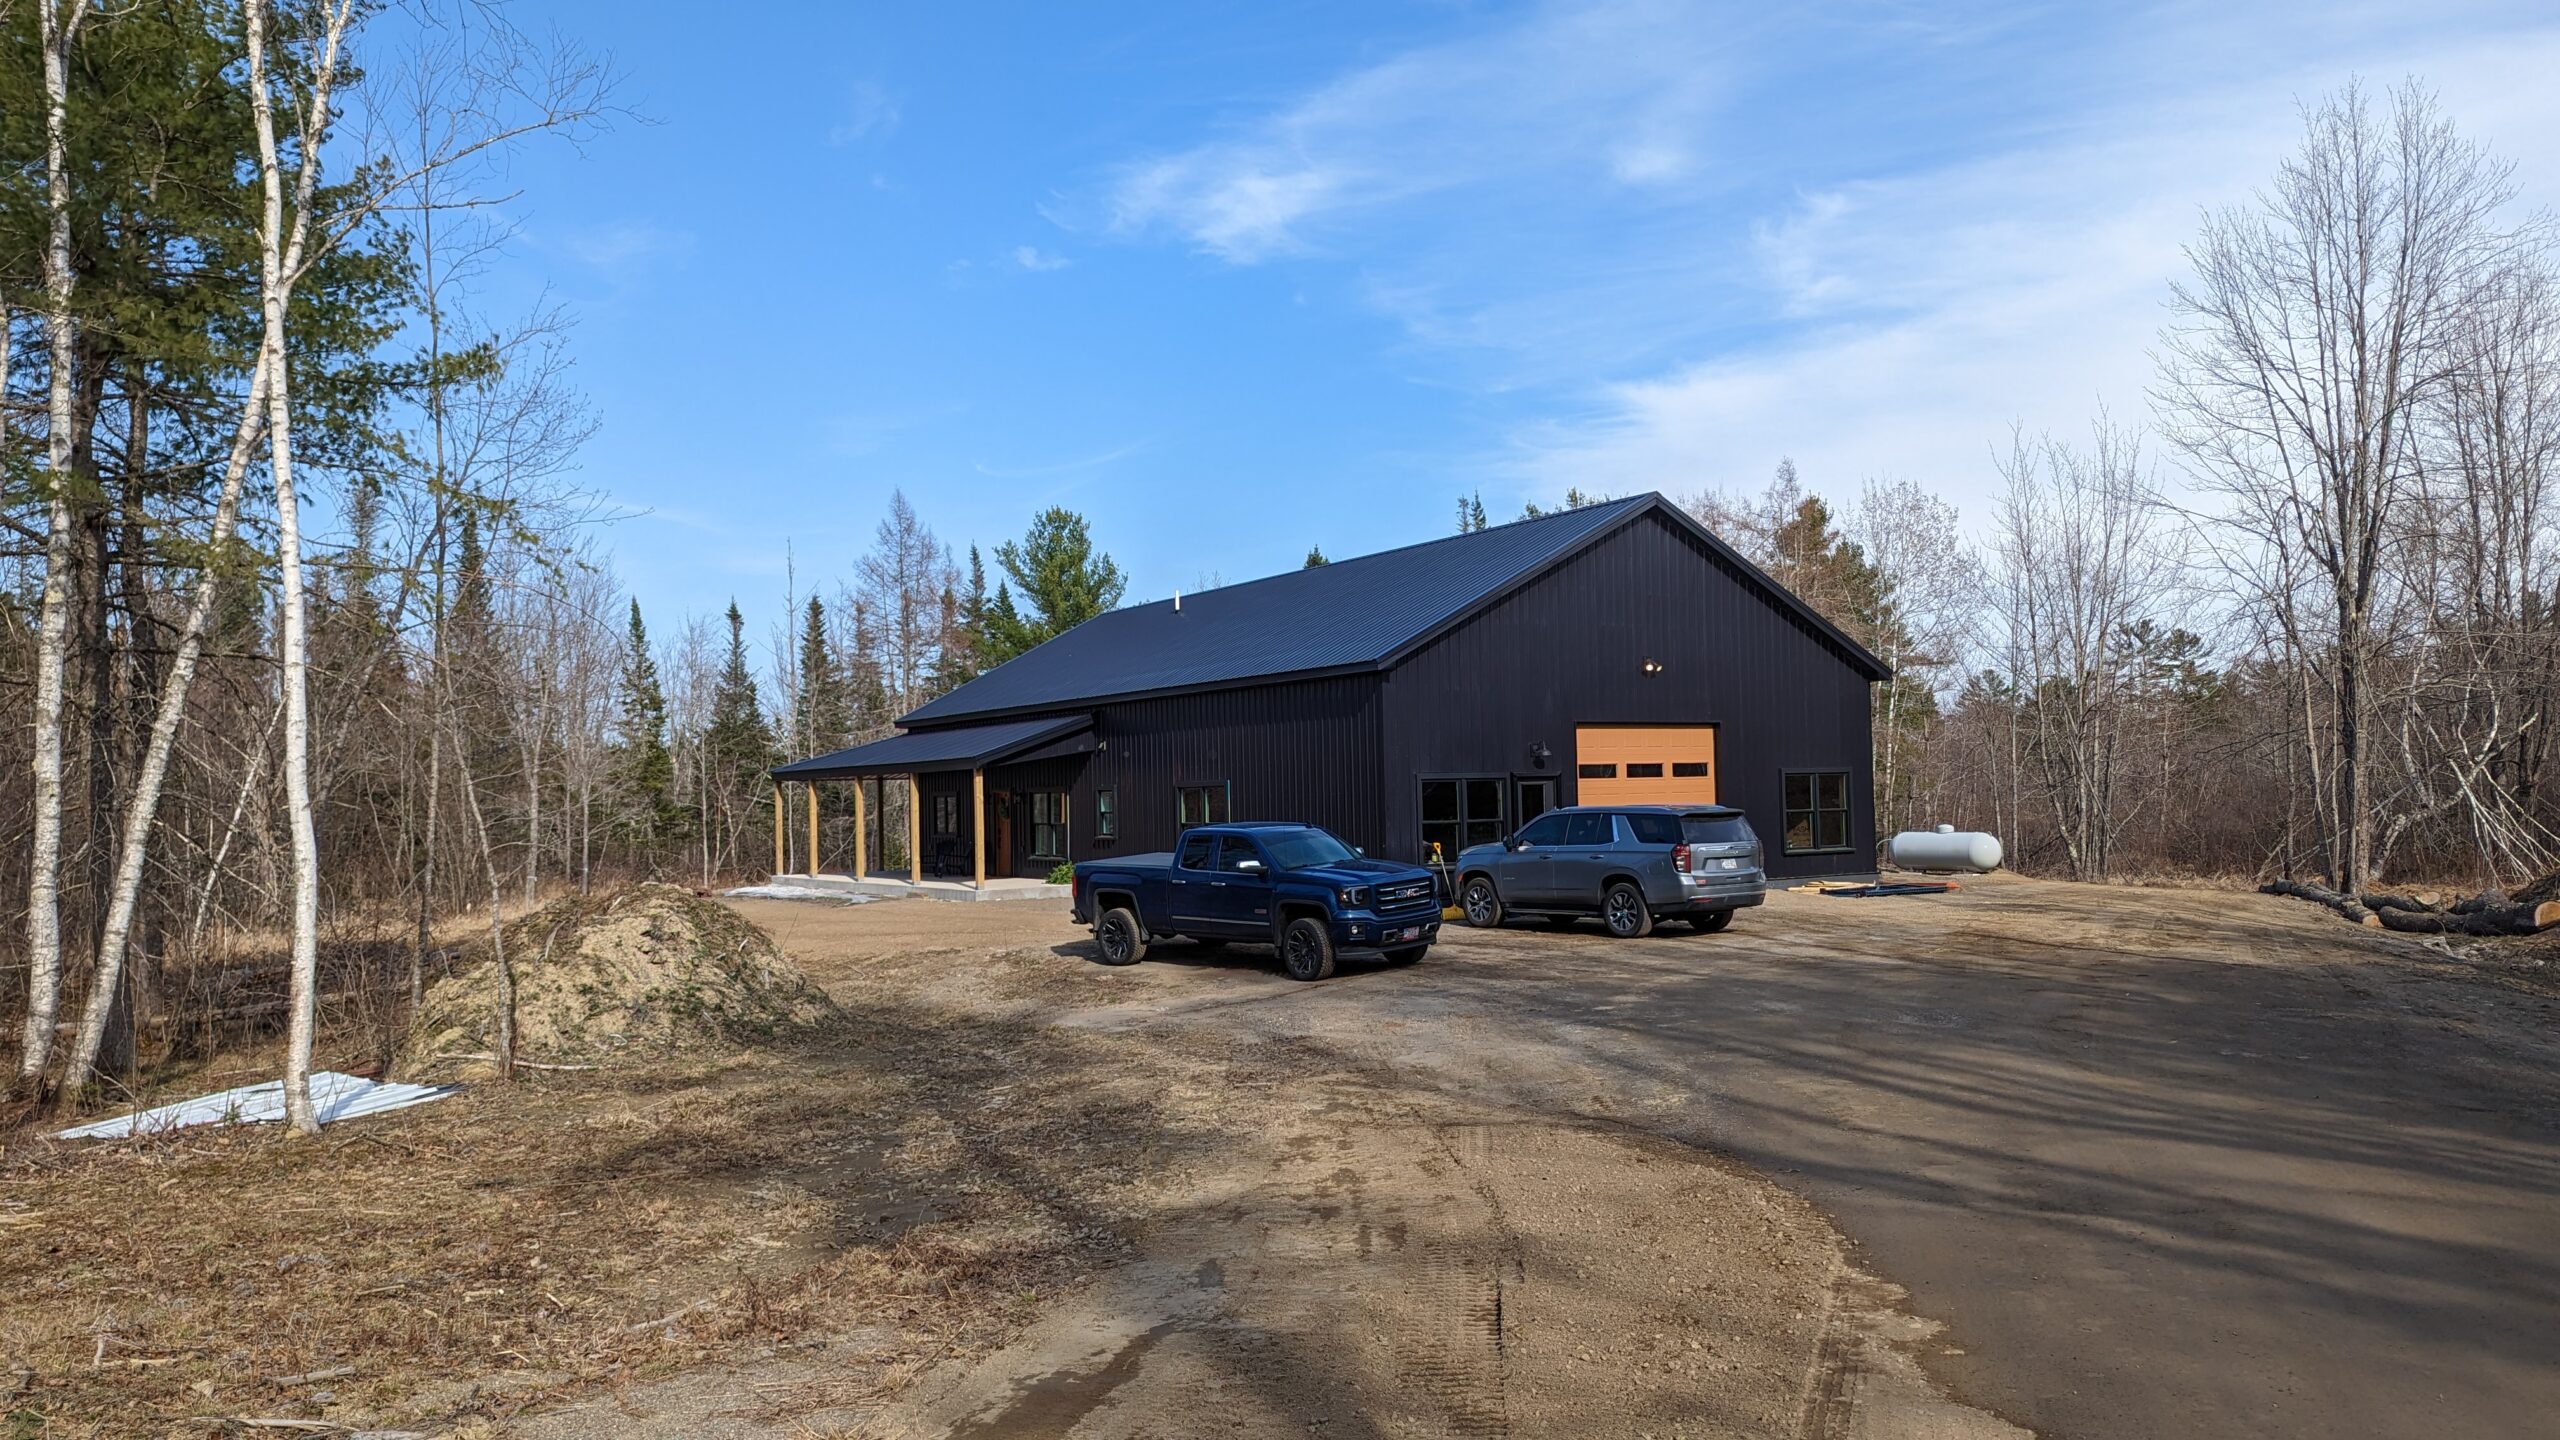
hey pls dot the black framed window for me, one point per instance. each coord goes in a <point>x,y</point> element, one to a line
<point>1200,804</point>
<point>946,814</point>
<point>1644,769</point>
<point>1689,769</point>
<point>1597,770</point>
<point>1198,852</point>
<point>1106,814</point>
<point>1459,811</point>
<point>1817,811</point>
<point>1048,824</point>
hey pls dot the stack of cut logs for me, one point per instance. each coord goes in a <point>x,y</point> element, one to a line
<point>2427,912</point>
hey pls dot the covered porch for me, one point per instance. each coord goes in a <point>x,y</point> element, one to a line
<point>984,809</point>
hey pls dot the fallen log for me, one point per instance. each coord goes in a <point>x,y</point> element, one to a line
<point>2383,901</point>
<point>2346,905</point>
<point>2489,920</point>
<point>2485,900</point>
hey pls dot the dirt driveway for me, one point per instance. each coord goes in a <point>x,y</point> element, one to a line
<point>2148,1163</point>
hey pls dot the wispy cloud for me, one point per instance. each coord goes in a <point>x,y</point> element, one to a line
<point>871,113</point>
<point>1063,467</point>
<point>1916,317</point>
<point>1030,257</point>
<point>1679,240</point>
<point>619,247</point>
<point>1616,90</point>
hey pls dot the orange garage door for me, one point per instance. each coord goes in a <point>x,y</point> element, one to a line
<point>1645,764</point>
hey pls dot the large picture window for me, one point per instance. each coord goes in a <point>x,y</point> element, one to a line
<point>1048,824</point>
<point>1200,804</point>
<point>1459,812</point>
<point>1817,811</point>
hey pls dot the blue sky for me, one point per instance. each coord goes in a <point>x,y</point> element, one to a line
<point>1235,281</point>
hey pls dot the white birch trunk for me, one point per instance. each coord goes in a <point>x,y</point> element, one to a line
<point>57,23</point>
<point>276,276</point>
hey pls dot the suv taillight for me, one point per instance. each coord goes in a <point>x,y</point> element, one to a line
<point>1680,858</point>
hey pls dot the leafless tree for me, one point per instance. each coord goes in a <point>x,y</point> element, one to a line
<point>2321,322</point>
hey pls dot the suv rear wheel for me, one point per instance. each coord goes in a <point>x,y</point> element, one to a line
<point>1712,921</point>
<point>1482,902</point>
<point>1623,908</point>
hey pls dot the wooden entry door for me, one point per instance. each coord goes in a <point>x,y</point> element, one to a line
<point>1645,764</point>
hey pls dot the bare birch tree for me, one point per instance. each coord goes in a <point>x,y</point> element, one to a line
<point>58,24</point>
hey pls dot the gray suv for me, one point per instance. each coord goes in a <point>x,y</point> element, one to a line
<point>1631,865</point>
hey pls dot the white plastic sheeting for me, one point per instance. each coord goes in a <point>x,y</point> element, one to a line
<point>335,1096</point>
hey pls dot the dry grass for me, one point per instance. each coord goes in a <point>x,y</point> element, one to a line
<point>882,1175</point>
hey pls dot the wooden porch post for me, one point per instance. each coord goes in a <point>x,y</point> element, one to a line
<point>811,788</point>
<point>915,830</point>
<point>779,859</point>
<point>978,824</point>
<point>861,831</point>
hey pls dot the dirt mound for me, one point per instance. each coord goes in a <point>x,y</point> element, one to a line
<point>652,970</point>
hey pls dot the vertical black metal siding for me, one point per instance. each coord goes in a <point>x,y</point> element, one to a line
<point>1305,751</point>
<point>1569,650</point>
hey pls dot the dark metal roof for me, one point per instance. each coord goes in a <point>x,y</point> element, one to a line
<point>957,747</point>
<point>1355,614</point>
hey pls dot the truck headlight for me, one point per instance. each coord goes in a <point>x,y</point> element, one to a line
<point>1356,896</point>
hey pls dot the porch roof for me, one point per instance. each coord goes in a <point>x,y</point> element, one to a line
<point>960,747</point>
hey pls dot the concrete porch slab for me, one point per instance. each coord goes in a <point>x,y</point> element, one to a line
<point>894,885</point>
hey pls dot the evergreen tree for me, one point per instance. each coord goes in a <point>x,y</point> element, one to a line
<point>964,648</point>
<point>737,744</point>
<point>644,771</point>
<point>821,718</point>
<point>1064,580</point>
<point>1315,557</point>
<point>1471,513</point>
<point>737,738</point>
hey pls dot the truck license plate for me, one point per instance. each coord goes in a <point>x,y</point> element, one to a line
<point>1410,932</point>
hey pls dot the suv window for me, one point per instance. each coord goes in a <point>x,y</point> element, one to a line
<point>1196,850</point>
<point>1545,830</point>
<point>1716,830</point>
<point>1236,856</point>
<point>1653,829</point>
<point>1590,828</point>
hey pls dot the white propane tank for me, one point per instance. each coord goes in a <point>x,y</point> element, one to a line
<point>1945,848</point>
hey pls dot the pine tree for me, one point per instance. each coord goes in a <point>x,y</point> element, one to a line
<point>1315,557</point>
<point>821,717</point>
<point>1471,516</point>
<point>1064,580</point>
<point>737,744</point>
<point>644,771</point>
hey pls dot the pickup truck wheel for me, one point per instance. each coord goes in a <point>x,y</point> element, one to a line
<point>1119,937</point>
<point>1481,902</point>
<point>1306,949</point>
<point>1624,909</point>
<point>1712,921</point>
<point>1407,955</point>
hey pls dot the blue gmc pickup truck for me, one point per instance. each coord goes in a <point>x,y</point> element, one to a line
<point>1294,887</point>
